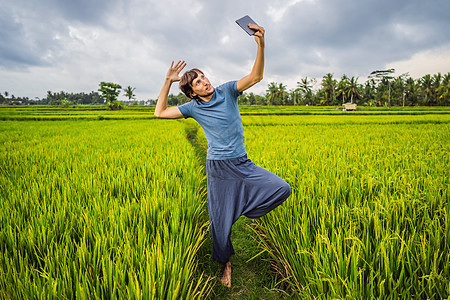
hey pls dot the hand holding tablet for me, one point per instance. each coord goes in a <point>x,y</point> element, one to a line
<point>243,22</point>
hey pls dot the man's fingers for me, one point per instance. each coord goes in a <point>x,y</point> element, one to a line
<point>256,27</point>
<point>180,65</point>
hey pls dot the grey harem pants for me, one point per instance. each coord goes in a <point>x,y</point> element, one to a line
<point>238,187</point>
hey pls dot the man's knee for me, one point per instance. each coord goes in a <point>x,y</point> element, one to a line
<point>286,190</point>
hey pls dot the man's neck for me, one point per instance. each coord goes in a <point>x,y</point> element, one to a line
<point>207,98</point>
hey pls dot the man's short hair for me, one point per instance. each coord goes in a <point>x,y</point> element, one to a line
<point>186,82</point>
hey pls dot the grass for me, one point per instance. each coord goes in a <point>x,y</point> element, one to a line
<point>252,275</point>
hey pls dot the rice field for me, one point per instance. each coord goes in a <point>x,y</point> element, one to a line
<point>369,215</point>
<point>98,204</point>
<point>99,209</point>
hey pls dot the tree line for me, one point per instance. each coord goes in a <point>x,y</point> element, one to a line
<point>107,93</point>
<point>381,88</point>
<point>52,98</point>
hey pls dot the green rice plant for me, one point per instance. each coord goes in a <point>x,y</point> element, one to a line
<point>100,210</point>
<point>369,213</point>
<point>290,113</point>
<point>337,120</point>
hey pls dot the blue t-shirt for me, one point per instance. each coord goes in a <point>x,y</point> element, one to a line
<point>221,122</point>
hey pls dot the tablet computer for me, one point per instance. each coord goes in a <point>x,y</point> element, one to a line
<point>243,22</point>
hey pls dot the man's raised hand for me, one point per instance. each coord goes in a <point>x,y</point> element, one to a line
<point>174,71</point>
<point>259,34</point>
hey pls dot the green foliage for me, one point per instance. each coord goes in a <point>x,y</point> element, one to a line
<point>65,103</point>
<point>251,99</point>
<point>178,99</point>
<point>110,91</point>
<point>305,86</point>
<point>276,94</point>
<point>129,92</point>
<point>74,98</point>
<point>329,90</point>
<point>115,105</point>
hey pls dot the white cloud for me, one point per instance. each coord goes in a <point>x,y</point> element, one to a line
<point>430,61</point>
<point>225,39</point>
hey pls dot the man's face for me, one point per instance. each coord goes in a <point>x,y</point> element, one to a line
<point>201,86</point>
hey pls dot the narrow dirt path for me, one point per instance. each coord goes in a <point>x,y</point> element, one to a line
<point>252,276</point>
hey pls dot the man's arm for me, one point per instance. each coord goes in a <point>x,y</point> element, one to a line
<point>161,110</point>
<point>256,75</point>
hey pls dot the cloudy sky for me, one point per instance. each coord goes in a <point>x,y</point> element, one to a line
<point>73,45</point>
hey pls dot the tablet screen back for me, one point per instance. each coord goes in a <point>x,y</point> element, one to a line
<point>243,22</point>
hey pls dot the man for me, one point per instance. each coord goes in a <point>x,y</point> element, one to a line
<point>236,186</point>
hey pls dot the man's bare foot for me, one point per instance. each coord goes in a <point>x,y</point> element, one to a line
<point>226,275</point>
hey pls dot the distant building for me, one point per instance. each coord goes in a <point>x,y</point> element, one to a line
<point>349,106</point>
<point>16,102</point>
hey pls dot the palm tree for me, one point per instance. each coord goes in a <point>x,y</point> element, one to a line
<point>353,88</point>
<point>368,92</point>
<point>384,78</point>
<point>251,99</point>
<point>305,87</point>
<point>400,85</point>
<point>271,92</point>
<point>443,92</point>
<point>129,93</point>
<point>295,96</point>
<point>426,86</point>
<point>411,90</point>
<point>437,78</point>
<point>329,87</point>
<point>281,94</point>
<point>342,88</point>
